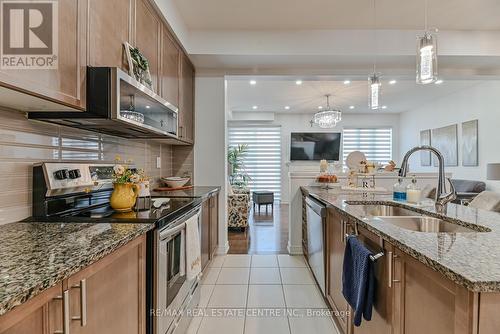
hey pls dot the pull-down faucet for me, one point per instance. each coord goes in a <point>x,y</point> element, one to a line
<point>442,198</point>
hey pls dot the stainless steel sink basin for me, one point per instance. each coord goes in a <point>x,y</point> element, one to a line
<point>379,210</point>
<point>426,224</point>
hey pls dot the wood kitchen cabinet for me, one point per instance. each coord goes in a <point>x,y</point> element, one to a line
<point>205,233</point>
<point>42,314</point>
<point>186,102</point>
<point>105,35</point>
<point>66,84</point>
<point>214,223</point>
<point>427,302</point>
<point>170,68</point>
<point>147,38</point>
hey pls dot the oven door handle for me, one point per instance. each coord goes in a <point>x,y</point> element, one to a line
<point>171,231</point>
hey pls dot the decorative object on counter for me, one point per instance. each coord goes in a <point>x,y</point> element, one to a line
<point>327,179</point>
<point>327,118</point>
<point>413,191</point>
<point>323,166</point>
<point>445,141</point>
<point>125,189</point>
<point>138,65</point>
<point>390,167</point>
<point>143,201</point>
<point>235,158</point>
<point>352,179</point>
<point>175,181</point>
<point>425,156</point>
<point>354,159</point>
<point>399,191</point>
<point>426,55</point>
<point>470,156</point>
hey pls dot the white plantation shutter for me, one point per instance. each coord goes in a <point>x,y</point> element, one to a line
<point>263,160</point>
<point>375,143</point>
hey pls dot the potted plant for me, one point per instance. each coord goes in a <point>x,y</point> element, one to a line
<point>125,189</point>
<point>238,176</point>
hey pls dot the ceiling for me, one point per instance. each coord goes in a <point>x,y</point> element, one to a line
<point>337,14</point>
<point>273,94</point>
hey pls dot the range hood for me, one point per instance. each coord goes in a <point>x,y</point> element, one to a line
<point>118,105</point>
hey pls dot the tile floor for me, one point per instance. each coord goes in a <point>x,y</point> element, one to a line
<point>247,294</point>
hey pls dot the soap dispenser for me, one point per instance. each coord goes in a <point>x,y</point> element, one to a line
<point>399,191</point>
<point>413,191</point>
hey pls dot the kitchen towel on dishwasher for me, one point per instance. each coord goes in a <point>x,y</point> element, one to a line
<point>193,250</point>
<point>358,279</point>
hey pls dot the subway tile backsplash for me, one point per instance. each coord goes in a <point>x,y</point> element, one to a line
<point>24,142</point>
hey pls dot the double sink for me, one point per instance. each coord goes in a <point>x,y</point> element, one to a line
<point>412,220</point>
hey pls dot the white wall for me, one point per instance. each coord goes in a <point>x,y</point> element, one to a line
<point>482,102</point>
<point>300,123</point>
<point>210,149</point>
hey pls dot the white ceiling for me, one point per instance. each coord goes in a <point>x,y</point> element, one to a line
<point>273,94</point>
<point>337,14</point>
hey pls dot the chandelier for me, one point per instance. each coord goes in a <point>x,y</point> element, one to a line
<point>327,118</point>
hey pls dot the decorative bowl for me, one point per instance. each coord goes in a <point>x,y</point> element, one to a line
<point>175,181</point>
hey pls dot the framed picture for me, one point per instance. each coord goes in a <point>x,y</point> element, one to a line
<point>425,139</point>
<point>138,65</point>
<point>470,156</point>
<point>445,139</point>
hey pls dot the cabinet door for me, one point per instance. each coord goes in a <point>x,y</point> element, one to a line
<point>214,223</point>
<point>335,245</point>
<point>170,67</point>
<point>205,233</point>
<point>147,37</point>
<point>66,84</point>
<point>109,26</point>
<point>186,103</point>
<point>382,313</point>
<point>427,302</point>
<point>110,294</point>
<point>42,314</point>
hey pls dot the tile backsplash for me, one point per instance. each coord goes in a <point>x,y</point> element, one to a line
<point>24,142</point>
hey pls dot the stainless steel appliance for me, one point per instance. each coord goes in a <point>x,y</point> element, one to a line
<point>316,220</point>
<point>119,105</point>
<point>79,193</point>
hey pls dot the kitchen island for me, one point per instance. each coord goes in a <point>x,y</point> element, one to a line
<point>427,282</point>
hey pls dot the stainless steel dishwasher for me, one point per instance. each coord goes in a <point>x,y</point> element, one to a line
<point>316,220</point>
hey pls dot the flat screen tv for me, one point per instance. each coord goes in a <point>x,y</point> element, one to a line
<point>312,146</point>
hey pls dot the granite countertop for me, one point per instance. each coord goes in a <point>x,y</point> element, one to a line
<point>37,256</point>
<point>195,192</point>
<point>470,259</point>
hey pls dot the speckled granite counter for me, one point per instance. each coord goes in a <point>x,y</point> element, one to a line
<point>195,192</point>
<point>469,259</point>
<point>36,256</point>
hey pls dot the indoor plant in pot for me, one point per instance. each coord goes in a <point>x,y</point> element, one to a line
<point>125,188</point>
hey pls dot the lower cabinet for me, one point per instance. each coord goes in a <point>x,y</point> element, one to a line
<point>105,297</point>
<point>214,223</point>
<point>209,228</point>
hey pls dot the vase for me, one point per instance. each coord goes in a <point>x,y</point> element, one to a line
<point>123,197</point>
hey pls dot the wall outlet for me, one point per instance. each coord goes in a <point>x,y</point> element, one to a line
<point>158,162</point>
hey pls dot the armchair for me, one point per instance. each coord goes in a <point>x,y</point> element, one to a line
<point>238,206</point>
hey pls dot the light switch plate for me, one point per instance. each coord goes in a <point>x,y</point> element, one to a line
<point>158,162</point>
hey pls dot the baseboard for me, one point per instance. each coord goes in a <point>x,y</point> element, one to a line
<point>294,250</point>
<point>221,250</point>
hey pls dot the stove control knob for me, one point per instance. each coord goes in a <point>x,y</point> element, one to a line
<point>61,174</point>
<point>74,174</point>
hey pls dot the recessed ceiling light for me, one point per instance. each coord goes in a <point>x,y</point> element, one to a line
<point>253,82</point>
<point>254,107</point>
<point>438,82</point>
<point>320,107</point>
<point>347,82</point>
<point>351,107</point>
<point>147,107</point>
<point>287,107</point>
<point>392,82</point>
<point>298,82</point>
<point>384,107</point>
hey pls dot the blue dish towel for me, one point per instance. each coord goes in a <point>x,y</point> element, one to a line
<point>358,279</point>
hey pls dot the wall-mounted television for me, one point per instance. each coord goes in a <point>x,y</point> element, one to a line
<point>312,146</point>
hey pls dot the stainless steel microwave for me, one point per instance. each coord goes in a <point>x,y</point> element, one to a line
<point>119,105</point>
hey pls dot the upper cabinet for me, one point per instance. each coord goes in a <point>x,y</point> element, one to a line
<point>147,37</point>
<point>66,83</point>
<point>106,35</point>
<point>186,103</point>
<point>169,69</point>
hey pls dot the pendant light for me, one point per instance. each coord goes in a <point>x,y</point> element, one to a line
<point>327,118</point>
<point>426,55</point>
<point>374,84</point>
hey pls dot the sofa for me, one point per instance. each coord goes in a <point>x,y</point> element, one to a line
<point>466,190</point>
<point>238,207</point>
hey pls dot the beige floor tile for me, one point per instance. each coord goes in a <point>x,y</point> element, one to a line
<point>237,261</point>
<point>210,276</point>
<point>265,276</point>
<point>233,276</point>
<point>265,296</point>
<point>296,276</point>
<point>303,296</point>
<point>312,324</point>
<point>264,261</point>
<point>257,325</point>
<point>222,325</point>
<point>205,293</point>
<point>217,261</point>
<point>291,261</point>
<point>229,296</point>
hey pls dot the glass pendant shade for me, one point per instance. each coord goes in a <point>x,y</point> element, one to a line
<point>327,118</point>
<point>426,58</point>
<point>374,91</point>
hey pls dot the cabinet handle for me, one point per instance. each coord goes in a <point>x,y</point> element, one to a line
<point>342,232</point>
<point>390,269</point>
<point>83,302</point>
<point>180,131</point>
<point>65,300</point>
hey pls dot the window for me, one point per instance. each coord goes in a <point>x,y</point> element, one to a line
<point>375,143</point>
<point>263,160</point>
